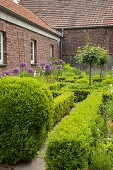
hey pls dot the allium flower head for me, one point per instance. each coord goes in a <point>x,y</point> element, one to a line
<point>56,62</point>
<point>50,64</point>
<point>42,64</point>
<point>47,67</point>
<point>61,61</point>
<point>16,70</point>
<point>23,64</point>
<point>30,70</point>
<point>59,67</point>
<point>53,67</point>
<point>6,72</point>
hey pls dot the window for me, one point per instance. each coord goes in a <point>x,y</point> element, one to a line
<point>32,51</point>
<point>51,51</point>
<point>1,48</point>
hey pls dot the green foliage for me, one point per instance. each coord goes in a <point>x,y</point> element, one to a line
<point>83,80</point>
<point>70,145</point>
<point>98,79</point>
<point>108,81</point>
<point>62,105</point>
<point>54,86</point>
<point>70,79</point>
<point>100,159</point>
<point>26,111</point>
<point>25,74</point>
<point>90,54</point>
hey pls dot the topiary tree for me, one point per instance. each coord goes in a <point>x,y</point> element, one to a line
<point>88,55</point>
<point>103,58</point>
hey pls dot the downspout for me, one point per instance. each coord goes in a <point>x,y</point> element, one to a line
<point>61,43</point>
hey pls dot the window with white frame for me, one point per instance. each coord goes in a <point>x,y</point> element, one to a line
<point>1,48</point>
<point>32,51</point>
<point>51,51</point>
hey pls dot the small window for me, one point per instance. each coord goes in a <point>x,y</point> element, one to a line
<point>32,52</point>
<point>1,48</point>
<point>51,51</point>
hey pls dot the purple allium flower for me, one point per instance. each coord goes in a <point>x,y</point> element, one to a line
<point>23,64</point>
<point>6,72</point>
<point>61,61</point>
<point>56,62</point>
<point>47,67</point>
<point>59,67</point>
<point>16,70</point>
<point>50,64</point>
<point>30,70</point>
<point>53,67</point>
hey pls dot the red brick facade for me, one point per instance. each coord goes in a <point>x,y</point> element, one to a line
<point>74,38</point>
<point>17,43</point>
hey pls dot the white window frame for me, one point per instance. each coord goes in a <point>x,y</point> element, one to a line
<point>33,51</point>
<point>1,44</point>
<point>51,50</point>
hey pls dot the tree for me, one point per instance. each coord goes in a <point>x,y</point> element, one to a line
<point>103,58</point>
<point>88,55</point>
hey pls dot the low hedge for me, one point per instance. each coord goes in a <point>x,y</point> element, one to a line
<point>26,111</point>
<point>79,94</point>
<point>69,146</point>
<point>62,105</point>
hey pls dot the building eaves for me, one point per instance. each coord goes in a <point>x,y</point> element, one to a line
<point>55,33</point>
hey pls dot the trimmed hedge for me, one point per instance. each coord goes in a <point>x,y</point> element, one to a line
<point>62,105</point>
<point>69,146</point>
<point>26,111</point>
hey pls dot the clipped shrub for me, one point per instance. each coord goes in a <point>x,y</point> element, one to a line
<point>70,145</point>
<point>82,80</point>
<point>99,79</point>
<point>54,86</point>
<point>26,111</point>
<point>56,93</point>
<point>62,105</point>
<point>70,80</point>
<point>107,81</point>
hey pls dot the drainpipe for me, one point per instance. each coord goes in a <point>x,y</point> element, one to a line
<point>61,43</point>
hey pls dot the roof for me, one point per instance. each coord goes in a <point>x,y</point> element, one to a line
<point>72,13</point>
<point>24,13</point>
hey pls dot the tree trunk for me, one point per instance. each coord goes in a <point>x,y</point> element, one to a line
<point>101,68</point>
<point>90,74</point>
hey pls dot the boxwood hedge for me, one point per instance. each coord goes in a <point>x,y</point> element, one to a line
<point>26,111</point>
<point>69,145</point>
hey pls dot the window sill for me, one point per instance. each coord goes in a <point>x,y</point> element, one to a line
<point>35,64</point>
<point>3,65</point>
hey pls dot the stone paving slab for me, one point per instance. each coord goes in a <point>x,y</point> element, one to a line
<point>36,164</point>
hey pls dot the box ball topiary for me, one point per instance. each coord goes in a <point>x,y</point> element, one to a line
<point>26,109</point>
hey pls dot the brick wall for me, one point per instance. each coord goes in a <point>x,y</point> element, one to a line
<point>17,43</point>
<point>74,38</point>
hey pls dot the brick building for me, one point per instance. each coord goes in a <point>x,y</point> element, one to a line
<point>79,20</point>
<point>25,37</point>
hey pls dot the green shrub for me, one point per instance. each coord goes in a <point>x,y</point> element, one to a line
<point>54,86</point>
<point>62,105</point>
<point>107,81</point>
<point>99,79</point>
<point>25,74</point>
<point>100,159</point>
<point>70,79</point>
<point>83,80</point>
<point>70,145</point>
<point>56,93</point>
<point>26,111</point>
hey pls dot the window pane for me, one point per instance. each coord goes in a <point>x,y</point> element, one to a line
<point>0,55</point>
<point>31,57</point>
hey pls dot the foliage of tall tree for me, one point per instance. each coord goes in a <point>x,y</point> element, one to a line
<point>88,55</point>
<point>103,58</point>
